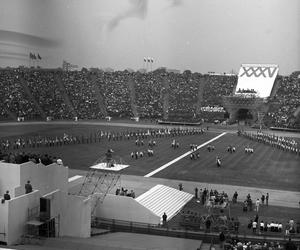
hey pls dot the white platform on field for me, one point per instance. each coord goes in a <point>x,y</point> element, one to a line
<point>163,199</point>
<point>104,166</point>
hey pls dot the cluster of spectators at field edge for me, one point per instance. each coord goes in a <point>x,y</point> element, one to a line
<point>236,244</point>
<point>36,93</point>
<point>22,157</point>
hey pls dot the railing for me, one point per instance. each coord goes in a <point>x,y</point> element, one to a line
<point>206,236</point>
<point>136,227</point>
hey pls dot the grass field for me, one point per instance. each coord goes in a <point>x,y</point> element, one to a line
<point>266,168</point>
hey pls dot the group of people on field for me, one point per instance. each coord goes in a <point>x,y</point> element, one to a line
<point>279,142</point>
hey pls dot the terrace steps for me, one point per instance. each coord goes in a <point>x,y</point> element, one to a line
<point>27,91</point>
<point>132,87</point>
<point>200,95</point>
<point>64,94</point>
<point>165,97</point>
<point>99,96</point>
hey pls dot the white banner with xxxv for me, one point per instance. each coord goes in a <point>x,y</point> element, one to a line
<point>257,79</point>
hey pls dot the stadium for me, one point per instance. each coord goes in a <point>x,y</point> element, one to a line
<point>96,158</point>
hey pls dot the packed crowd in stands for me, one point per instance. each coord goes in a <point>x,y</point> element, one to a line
<point>287,101</point>
<point>114,89</point>
<point>13,98</point>
<point>45,90</point>
<point>81,92</point>
<point>40,93</point>
<point>149,94</point>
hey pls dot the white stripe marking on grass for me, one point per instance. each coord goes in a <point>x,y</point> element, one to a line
<point>182,156</point>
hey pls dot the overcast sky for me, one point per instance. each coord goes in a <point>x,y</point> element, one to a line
<point>200,35</point>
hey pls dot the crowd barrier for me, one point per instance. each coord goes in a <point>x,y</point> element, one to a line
<point>206,237</point>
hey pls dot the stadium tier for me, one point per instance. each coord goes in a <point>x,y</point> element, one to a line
<point>32,94</point>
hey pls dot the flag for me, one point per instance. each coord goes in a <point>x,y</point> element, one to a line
<point>152,60</point>
<point>30,56</point>
<point>145,60</point>
<point>33,56</point>
<point>39,57</point>
<point>149,59</point>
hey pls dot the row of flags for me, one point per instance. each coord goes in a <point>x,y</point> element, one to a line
<point>34,57</point>
<point>149,59</point>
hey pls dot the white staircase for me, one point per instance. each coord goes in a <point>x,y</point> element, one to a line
<point>163,199</point>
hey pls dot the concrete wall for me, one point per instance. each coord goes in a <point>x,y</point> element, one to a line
<point>77,217</point>
<point>74,214</point>
<point>50,182</point>
<point>43,178</point>
<point>75,181</point>
<point>3,220</point>
<point>9,178</point>
<point>58,202</point>
<point>125,208</point>
<point>18,215</point>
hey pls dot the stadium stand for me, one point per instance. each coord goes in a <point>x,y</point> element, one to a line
<point>36,93</point>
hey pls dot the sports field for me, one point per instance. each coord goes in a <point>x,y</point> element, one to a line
<point>266,168</point>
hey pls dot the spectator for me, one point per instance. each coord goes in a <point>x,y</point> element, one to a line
<point>28,187</point>
<point>196,193</point>
<point>257,205</point>
<point>254,226</point>
<point>290,245</point>
<point>59,162</point>
<point>263,199</point>
<point>6,196</point>
<point>261,226</point>
<point>222,239</point>
<point>234,198</point>
<point>207,224</point>
<point>164,218</point>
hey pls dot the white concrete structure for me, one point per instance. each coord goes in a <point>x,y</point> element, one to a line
<point>126,208</point>
<point>70,214</point>
<point>50,205</point>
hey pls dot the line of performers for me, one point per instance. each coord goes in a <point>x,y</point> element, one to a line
<point>283,143</point>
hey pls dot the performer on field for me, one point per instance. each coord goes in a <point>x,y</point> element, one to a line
<point>108,156</point>
<point>218,161</point>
